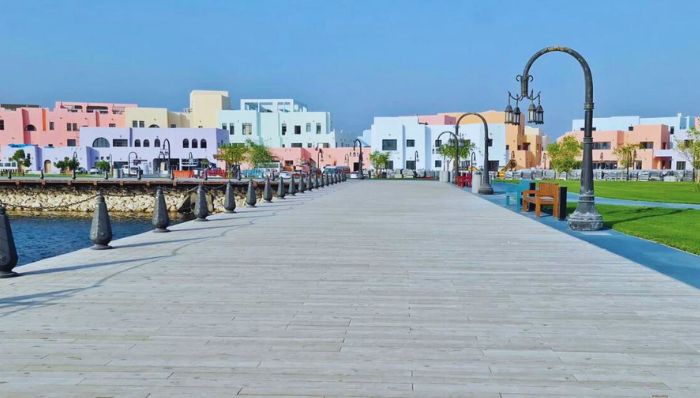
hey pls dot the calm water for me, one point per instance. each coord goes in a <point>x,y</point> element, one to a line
<point>39,237</point>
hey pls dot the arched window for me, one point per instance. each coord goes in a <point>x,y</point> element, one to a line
<point>100,143</point>
<point>185,143</point>
<point>153,126</point>
<point>30,127</point>
<point>146,143</point>
<point>194,143</point>
<point>156,143</point>
<point>202,143</point>
<point>137,143</point>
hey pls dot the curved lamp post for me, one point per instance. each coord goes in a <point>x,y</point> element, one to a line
<point>585,217</point>
<point>128,161</point>
<point>472,161</point>
<point>170,169</point>
<point>319,157</point>
<point>359,143</point>
<point>415,161</point>
<point>456,145</point>
<point>485,186</point>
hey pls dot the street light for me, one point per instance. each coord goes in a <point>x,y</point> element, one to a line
<point>485,186</point>
<point>170,170</point>
<point>415,161</point>
<point>319,156</point>
<point>359,143</point>
<point>585,217</point>
<point>128,162</point>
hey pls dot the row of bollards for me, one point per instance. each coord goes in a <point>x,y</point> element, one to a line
<point>101,227</point>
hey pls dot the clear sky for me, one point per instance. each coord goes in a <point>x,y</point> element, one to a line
<point>357,59</point>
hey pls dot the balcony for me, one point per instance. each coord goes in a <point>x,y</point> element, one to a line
<point>664,153</point>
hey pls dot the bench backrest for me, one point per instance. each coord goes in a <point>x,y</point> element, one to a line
<point>548,189</point>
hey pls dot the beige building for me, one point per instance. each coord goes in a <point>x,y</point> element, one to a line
<point>203,112</point>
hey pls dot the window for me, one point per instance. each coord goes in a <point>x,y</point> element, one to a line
<point>438,163</point>
<point>388,145</point>
<point>70,142</point>
<point>156,143</point>
<point>2,124</point>
<point>51,126</point>
<point>120,142</point>
<point>75,127</point>
<point>297,129</point>
<point>231,128</point>
<point>318,128</point>
<point>284,129</point>
<point>410,143</point>
<point>308,145</point>
<point>137,143</point>
<point>194,143</point>
<point>390,165</point>
<point>153,126</point>
<point>223,126</point>
<point>173,125</point>
<point>185,143</point>
<point>289,163</point>
<point>134,123</point>
<point>438,143</point>
<point>296,145</point>
<point>646,145</point>
<point>247,129</point>
<point>326,145</point>
<point>680,165</point>
<point>672,130</point>
<point>100,143</point>
<point>112,125</point>
<point>146,143</point>
<point>526,146</point>
<point>411,164</point>
<point>202,143</point>
<point>630,128</point>
<point>142,124</point>
<point>601,145</point>
<point>69,127</point>
<point>308,127</point>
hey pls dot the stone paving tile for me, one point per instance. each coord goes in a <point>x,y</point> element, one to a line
<point>364,289</point>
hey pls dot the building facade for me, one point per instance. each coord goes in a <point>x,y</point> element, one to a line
<point>412,141</point>
<point>278,123</point>
<point>60,126</point>
<point>656,139</point>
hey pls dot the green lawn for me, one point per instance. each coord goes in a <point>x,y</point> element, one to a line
<point>673,227</point>
<point>650,191</point>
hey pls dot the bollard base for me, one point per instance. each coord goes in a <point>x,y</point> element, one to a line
<point>201,219</point>
<point>6,274</point>
<point>229,211</point>
<point>268,201</point>
<point>100,247</point>
<point>161,230</point>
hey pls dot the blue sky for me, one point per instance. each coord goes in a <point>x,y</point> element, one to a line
<point>357,59</point>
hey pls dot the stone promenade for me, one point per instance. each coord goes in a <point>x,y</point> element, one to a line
<point>362,289</point>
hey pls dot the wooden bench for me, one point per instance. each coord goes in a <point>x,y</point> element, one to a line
<point>546,194</point>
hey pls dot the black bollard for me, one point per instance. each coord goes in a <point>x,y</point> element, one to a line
<point>8,250</point>
<point>201,210</point>
<point>267,192</point>
<point>301,188</point>
<point>206,175</point>
<point>74,176</point>
<point>101,228</point>
<point>317,183</point>
<point>251,196</point>
<point>160,213</point>
<point>9,174</point>
<point>229,199</point>
<point>41,176</point>
<point>280,188</point>
<point>139,174</point>
<point>292,186</point>
<point>309,183</point>
<point>106,175</point>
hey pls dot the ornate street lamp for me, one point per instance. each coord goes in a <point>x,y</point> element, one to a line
<point>319,156</point>
<point>359,143</point>
<point>585,217</point>
<point>415,161</point>
<point>128,162</point>
<point>170,169</point>
<point>485,186</point>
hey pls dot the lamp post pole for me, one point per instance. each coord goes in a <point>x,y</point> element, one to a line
<point>585,217</point>
<point>357,142</point>
<point>415,161</point>
<point>170,169</point>
<point>485,186</point>
<point>128,161</point>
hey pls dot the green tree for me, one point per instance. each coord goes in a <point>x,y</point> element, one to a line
<point>449,149</point>
<point>690,148</point>
<point>102,165</point>
<point>563,154</point>
<point>626,154</point>
<point>259,154</point>
<point>67,164</point>
<point>379,159</point>
<point>232,154</point>
<point>23,160</point>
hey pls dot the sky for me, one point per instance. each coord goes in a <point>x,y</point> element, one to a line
<point>356,59</point>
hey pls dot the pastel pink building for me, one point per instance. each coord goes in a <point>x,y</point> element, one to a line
<point>303,157</point>
<point>57,127</point>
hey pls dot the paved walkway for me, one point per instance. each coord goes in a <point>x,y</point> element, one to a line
<point>390,289</point>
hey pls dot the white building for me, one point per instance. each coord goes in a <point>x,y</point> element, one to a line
<point>279,123</point>
<point>413,145</point>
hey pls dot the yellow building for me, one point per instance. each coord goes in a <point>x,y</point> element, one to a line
<point>203,112</point>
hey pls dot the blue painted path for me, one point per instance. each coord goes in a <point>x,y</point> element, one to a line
<point>677,264</point>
